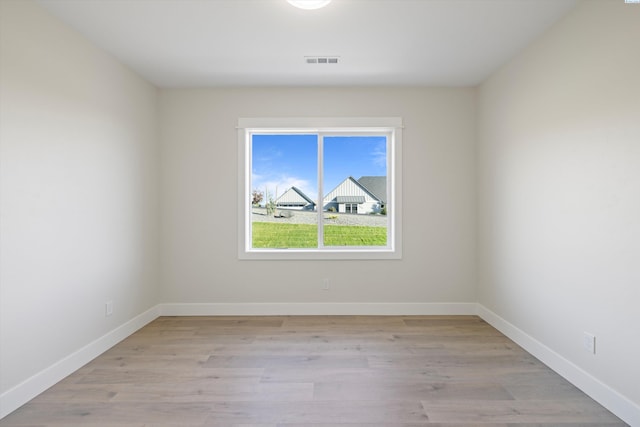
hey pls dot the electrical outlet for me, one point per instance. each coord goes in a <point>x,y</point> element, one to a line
<point>325,284</point>
<point>108,308</point>
<point>589,342</point>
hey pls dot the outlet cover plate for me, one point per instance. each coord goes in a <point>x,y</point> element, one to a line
<point>589,342</point>
<point>108,308</point>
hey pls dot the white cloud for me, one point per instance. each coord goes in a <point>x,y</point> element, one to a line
<point>379,156</point>
<point>282,183</point>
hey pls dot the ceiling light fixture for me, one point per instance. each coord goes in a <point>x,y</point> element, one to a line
<point>309,4</point>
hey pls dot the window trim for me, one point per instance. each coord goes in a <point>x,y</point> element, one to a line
<point>322,125</point>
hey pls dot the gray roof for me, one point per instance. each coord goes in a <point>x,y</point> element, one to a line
<point>350,199</point>
<point>300,193</point>
<point>304,196</point>
<point>376,185</point>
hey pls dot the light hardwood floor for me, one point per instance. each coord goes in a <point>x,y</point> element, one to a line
<point>317,371</point>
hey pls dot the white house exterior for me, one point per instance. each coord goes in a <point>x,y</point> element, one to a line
<point>294,198</point>
<point>352,197</point>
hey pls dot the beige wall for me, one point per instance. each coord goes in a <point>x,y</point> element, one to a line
<point>559,192</point>
<point>199,146</point>
<point>78,193</point>
<point>551,191</point>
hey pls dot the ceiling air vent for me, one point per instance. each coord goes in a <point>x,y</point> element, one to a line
<point>321,59</point>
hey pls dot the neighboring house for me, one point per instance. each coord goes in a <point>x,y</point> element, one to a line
<point>350,196</point>
<point>377,185</point>
<point>294,198</point>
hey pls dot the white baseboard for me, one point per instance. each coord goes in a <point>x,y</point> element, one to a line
<point>606,396</point>
<point>618,404</point>
<point>316,309</point>
<point>22,393</point>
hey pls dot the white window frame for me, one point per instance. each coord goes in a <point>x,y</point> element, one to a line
<point>325,126</point>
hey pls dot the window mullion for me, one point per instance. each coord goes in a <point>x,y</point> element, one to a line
<point>320,204</point>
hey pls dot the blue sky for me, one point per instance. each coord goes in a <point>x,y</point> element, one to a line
<point>291,160</point>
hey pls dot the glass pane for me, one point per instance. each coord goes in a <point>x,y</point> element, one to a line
<point>355,188</point>
<point>284,183</point>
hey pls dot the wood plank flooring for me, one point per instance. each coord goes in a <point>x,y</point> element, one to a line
<point>314,371</point>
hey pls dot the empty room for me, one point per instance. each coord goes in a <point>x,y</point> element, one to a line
<point>320,213</point>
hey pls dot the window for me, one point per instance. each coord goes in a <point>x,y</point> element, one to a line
<point>319,188</point>
<point>351,208</point>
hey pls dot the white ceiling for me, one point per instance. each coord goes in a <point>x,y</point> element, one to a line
<point>197,43</point>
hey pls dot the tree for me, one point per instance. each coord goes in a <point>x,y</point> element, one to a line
<point>270,203</point>
<point>256,197</point>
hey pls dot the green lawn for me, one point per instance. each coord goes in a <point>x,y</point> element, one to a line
<point>275,235</point>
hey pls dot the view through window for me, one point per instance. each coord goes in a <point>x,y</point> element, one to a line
<point>315,190</point>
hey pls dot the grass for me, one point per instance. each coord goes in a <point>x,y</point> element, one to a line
<point>275,235</point>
